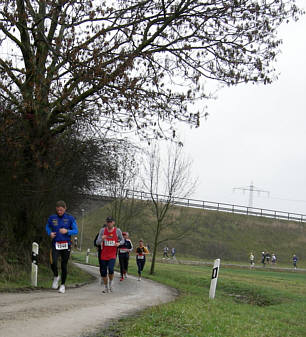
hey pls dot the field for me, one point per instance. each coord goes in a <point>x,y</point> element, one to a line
<point>248,303</point>
<point>209,234</point>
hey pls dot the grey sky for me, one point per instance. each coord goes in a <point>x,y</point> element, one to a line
<point>257,133</point>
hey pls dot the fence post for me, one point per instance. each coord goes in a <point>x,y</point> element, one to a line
<point>35,248</point>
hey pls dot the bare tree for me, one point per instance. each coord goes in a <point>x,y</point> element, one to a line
<point>129,64</point>
<point>166,180</point>
<point>122,208</point>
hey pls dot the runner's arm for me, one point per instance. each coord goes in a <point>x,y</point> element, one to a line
<point>120,237</point>
<point>131,246</point>
<point>74,230</point>
<point>99,239</point>
<point>48,228</point>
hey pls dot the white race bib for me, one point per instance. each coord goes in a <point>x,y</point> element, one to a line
<point>140,257</point>
<point>61,245</point>
<point>109,243</point>
<point>123,250</point>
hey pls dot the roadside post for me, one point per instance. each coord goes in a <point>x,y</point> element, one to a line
<point>87,255</point>
<point>35,248</point>
<point>214,279</point>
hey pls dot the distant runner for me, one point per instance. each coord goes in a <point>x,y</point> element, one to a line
<point>273,258</point>
<point>252,260</point>
<point>124,255</point>
<point>263,259</point>
<point>268,257</point>
<point>173,252</point>
<point>141,252</point>
<point>166,249</point>
<point>109,238</point>
<point>60,227</point>
<point>294,260</point>
<point>75,242</point>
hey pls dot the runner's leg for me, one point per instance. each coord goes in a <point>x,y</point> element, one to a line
<point>126,263</point>
<point>53,261</point>
<point>103,272</point>
<point>121,263</point>
<point>111,267</point>
<point>65,253</point>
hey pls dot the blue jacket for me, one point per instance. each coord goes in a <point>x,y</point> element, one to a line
<point>56,222</point>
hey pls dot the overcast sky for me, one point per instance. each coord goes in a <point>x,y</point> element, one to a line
<point>257,133</point>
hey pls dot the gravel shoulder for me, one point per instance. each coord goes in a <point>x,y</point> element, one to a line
<point>79,311</point>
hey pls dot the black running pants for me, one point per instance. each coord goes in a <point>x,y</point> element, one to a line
<point>64,254</point>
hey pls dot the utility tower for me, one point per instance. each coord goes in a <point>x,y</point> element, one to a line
<point>251,189</point>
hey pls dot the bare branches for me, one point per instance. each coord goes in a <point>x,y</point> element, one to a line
<point>122,53</point>
<point>166,179</point>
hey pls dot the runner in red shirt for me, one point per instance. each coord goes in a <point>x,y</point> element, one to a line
<point>109,238</point>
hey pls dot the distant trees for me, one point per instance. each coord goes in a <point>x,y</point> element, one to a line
<point>171,178</point>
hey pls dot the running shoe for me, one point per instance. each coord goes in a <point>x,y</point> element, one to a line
<point>121,279</point>
<point>62,289</point>
<point>105,291</point>
<point>55,282</point>
<point>139,278</point>
<point>125,275</point>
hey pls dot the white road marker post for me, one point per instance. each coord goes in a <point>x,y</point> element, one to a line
<point>87,255</point>
<point>214,279</point>
<point>35,248</point>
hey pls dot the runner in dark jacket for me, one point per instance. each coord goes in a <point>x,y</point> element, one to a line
<point>124,255</point>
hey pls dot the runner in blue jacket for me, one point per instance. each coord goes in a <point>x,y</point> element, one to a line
<point>60,227</point>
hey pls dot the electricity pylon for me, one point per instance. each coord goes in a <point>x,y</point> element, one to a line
<point>251,189</point>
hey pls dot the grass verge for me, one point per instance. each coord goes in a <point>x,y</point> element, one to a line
<point>248,303</point>
<point>21,279</point>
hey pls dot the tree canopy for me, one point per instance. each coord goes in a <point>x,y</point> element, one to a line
<point>130,64</point>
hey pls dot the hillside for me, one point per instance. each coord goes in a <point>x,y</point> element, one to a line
<point>210,234</point>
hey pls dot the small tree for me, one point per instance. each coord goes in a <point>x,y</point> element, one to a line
<point>164,181</point>
<point>127,171</point>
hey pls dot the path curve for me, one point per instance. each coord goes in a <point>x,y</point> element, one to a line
<point>79,311</point>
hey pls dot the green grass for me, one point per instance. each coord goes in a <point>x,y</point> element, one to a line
<point>248,303</point>
<point>22,279</point>
<point>213,234</point>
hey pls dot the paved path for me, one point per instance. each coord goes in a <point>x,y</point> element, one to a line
<point>79,311</point>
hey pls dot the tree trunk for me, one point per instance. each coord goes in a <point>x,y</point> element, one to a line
<point>155,247</point>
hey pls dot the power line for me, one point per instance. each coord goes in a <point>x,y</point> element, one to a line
<point>251,189</point>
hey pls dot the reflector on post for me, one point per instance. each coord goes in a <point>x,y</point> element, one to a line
<point>35,248</point>
<point>214,279</point>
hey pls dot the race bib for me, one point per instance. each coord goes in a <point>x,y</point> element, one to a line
<point>109,243</point>
<point>140,257</point>
<point>123,250</point>
<point>60,245</point>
